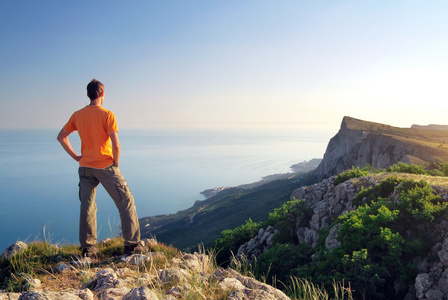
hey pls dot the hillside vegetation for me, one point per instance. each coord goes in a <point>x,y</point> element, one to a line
<point>394,222</point>
<point>203,223</point>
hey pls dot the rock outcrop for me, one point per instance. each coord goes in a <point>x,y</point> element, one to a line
<point>137,277</point>
<point>359,143</point>
<point>259,244</point>
<point>328,201</point>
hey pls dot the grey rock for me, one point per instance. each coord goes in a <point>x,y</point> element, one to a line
<point>34,295</point>
<point>62,267</point>
<point>173,276</point>
<point>9,296</point>
<point>135,259</point>
<point>443,285</point>
<point>113,293</point>
<point>62,296</point>
<point>434,294</point>
<point>259,244</point>
<point>31,284</point>
<point>311,237</point>
<point>178,291</point>
<point>84,294</point>
<point>331,241</point>
<point>13,249</point>
<point>230,284</point>
<point>423,283</point>
<point>105,279</point>
<point>443,253</point>
<point>141,293</point>
<point>301,234</point>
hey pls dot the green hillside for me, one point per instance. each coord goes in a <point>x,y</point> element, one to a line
<point>396,221</point>
<point>204,222</point>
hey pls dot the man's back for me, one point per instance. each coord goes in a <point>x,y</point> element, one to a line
<point>94,125</point>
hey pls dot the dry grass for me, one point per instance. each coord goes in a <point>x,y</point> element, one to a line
<point>441,181</point>
<point>163,256</point>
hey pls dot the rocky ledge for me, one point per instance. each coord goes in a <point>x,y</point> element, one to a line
<point>153,276</point>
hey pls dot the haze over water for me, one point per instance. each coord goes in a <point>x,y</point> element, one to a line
<point>165,169</point>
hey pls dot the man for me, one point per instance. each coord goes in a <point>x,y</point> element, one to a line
<point>98,163</point>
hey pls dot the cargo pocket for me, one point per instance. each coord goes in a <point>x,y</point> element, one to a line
<point>123,190</point>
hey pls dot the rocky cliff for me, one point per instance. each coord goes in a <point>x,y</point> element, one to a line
<point>359,143</point>
<point>329,200</point>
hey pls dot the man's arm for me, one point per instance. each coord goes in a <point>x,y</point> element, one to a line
<point>115,147</point>
<point>63,139</point>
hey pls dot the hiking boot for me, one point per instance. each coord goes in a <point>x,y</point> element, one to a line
<point>91,251</point>
<point>138,248</point>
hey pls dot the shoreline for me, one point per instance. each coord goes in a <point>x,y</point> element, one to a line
<point>301,167</point>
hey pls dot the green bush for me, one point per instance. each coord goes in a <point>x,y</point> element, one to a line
<point>231,239</point>
<point>283,218</point>
<point>401,167</point>
<point>279,261</point>
<point>288,218</point>
<point>349,174</point>
<point>435,172</point>
<point>445,169</point>
<point>381,190</point>
<point>380,239</point>
<point>417,202</point>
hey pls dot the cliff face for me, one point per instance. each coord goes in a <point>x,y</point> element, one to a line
<point>359,143</point>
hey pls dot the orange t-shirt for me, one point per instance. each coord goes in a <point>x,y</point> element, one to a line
<point>94,124</point>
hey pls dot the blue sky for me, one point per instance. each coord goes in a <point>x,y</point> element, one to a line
<point>225,64</point>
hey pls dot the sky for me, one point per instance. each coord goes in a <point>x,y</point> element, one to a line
<point>255,64</point>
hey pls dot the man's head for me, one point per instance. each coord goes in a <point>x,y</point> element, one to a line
<point>95,89</point>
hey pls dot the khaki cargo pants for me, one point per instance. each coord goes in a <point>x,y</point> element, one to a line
<point>114,183</point>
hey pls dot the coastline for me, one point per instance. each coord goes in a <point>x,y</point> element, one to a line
<point>301,167</point>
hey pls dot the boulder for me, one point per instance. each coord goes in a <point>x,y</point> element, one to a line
<point>13,250</point>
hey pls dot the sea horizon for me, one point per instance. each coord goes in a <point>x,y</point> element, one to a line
<point>166,170</point>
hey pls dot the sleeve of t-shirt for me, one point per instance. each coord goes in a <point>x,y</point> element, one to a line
<point>111,123</point>
<point>70,126</point>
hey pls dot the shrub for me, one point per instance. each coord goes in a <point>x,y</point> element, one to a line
<point>283,218</point>
<point>380,239</point>
<point>418,203</point>
<point>288,218</point>
<point>381,190</point>
<point>445,169</point>
<point>349,174</point>
<point>281,260</point>
<point>401,167</point>
<point>231,239</point>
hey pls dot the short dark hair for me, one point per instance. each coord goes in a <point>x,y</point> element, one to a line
<point>94,89</point>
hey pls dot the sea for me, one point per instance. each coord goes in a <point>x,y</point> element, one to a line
<point>165,169</point>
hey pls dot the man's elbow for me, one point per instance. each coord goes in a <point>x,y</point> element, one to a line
<point>62,135</point>
<point>116,146</point>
